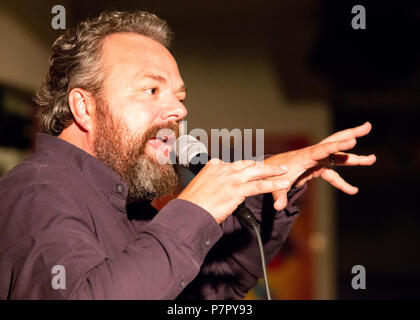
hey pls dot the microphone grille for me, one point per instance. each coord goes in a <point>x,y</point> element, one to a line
<point>186,148</point>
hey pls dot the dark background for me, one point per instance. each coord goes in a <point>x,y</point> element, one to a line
<point>371,74</point>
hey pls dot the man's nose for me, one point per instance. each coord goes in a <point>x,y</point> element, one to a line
<point>174,111</point>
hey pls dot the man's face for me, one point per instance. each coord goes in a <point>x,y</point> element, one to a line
<point>142,93</point>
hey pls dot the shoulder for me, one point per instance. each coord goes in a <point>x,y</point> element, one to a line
<point>36,195</point>
<point>32,170</point>
<point>36,172</point>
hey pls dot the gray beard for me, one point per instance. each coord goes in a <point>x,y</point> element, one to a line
<point>146,179</point>
<point>125,154</point>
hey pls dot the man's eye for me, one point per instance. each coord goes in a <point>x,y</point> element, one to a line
<point>151,91</point>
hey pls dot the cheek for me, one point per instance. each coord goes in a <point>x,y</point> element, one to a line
<point>138,120</point>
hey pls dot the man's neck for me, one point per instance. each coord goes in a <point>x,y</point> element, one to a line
<point>83,140</point>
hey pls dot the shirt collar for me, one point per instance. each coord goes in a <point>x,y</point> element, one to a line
<point>97,174</point>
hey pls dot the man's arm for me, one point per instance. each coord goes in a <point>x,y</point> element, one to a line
<point>165,257</point>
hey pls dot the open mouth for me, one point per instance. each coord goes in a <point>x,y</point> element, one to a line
<point>164,143</point>
<point>166,139</point>
<point>163,139</point>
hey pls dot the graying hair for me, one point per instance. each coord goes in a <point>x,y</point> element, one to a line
<point>75,62</point>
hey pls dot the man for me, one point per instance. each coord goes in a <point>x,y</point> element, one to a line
<point>78,209</point>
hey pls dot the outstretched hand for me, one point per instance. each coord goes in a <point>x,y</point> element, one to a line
<point>318,161</point>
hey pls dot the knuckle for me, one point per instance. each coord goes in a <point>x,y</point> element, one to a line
<point>310,151</point>
<point>248,162</point>
<point>214,161</point>
<point>260,185</point>
<point>240,178</point>
<point>240,164</point>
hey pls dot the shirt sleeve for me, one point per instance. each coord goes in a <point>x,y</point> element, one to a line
<point>55,245</point>
<point>233,265</point>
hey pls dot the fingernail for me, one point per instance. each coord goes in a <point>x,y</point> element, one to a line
<point>284,167</point>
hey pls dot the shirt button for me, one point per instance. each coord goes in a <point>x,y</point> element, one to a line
<point>119,188</point>
<point>182,284</point>
<point>206,243</point>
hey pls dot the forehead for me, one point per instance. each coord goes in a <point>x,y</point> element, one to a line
<point>131,55</point>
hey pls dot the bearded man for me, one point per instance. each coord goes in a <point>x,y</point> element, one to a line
<point>81,203</point>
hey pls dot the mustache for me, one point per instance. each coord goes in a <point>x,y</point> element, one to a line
<point>165,129</point>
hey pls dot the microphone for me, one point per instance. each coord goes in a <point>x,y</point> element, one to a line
<point>192,155</point>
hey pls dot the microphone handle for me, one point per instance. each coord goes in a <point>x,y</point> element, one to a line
<point>246,216</point>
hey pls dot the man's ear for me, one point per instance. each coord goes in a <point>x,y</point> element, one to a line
<point>83,106</point>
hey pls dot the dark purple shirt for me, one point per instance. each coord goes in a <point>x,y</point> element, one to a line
<point>63,207</point>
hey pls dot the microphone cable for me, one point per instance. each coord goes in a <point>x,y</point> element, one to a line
<point>247,217</point>
<point>260,245</point>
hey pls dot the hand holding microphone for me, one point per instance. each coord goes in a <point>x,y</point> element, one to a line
<point>221,187</point>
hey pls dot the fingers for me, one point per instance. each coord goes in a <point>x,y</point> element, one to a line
<point>349,159</point>
<point>237,165</point>
<point>337,181</point>
<point>280,199</point>
<point>241,164</point>
<point>216,163</point>
<point>255,187</point>
<point>351,133</point>
<point>252,176</point>
<point>261,171</point>
<point>322,151</point>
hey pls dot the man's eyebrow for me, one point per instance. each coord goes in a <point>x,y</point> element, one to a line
<point>155,77</point>
<point>162,79</point>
